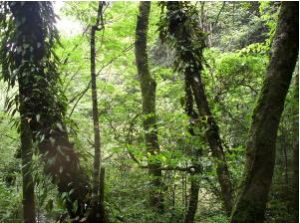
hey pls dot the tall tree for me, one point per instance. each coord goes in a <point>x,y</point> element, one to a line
<point>27,56</point>
<point>189,41</point>
<point>97,214</point>
<point>148,88</point>
<point>260,154</point>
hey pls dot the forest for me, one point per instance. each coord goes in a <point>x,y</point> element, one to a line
<point>149,112</point>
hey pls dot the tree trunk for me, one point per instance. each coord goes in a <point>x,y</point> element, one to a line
<point>28,183</point>
<point>296,182</point>
<point>101,195</point>
<point>97,144</point>
<point>39,86</point>
<point>251,203</point>
<point>213,137</point>
<point>193,202</point>
<point>190,64</point>
<point>296,158</point>
<point>148,88</point>
<point>195,185</point>
<point>97,213</point>
<point>286,175</point>
<point>184,192</point>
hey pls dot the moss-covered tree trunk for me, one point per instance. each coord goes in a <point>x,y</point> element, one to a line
<point>260,154</point>
<point>31,40</point>
<point>148,88</point>
<point>28,183</point>
<point>295,165</point>
<point>189,57</point>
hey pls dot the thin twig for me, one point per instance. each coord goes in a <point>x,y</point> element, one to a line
<point>79,96</point>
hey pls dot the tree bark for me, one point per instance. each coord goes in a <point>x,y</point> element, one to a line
<point>34,34</point>
<point>260,155</point>
<point>28,183</point>
<point>190,59</point>
<point>148,88</point>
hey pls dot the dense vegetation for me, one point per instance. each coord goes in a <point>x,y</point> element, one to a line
<point>149,112</point>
